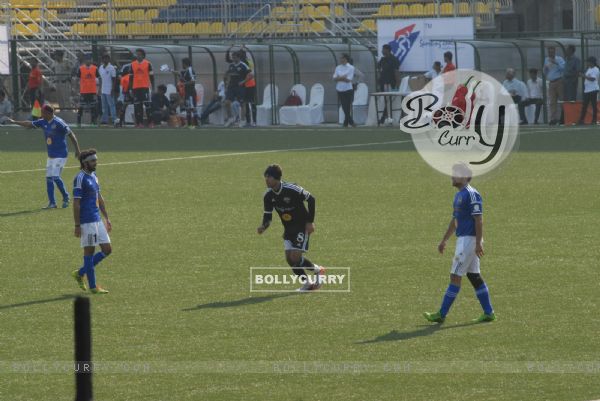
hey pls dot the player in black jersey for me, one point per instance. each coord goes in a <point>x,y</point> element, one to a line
<point>188,76</point>
<point>298,222</point>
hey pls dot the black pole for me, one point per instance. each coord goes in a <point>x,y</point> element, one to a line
<point>83,350</point>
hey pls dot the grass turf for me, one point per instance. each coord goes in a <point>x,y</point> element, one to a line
<point>184,239</point>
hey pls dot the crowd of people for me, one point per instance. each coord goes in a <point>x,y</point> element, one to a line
<point>563,76</point>
<point>106,90</point>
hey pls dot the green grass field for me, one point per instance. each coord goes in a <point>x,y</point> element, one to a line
<point>184,240</point>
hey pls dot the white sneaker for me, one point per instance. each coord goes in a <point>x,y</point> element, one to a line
<point>229,122</point>
<point>306,287</point>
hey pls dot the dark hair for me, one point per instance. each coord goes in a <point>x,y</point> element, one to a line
<point>162,88</point>
<point>346,56</point>
<point>141,51</point>
<point>386,46</point>
<point>84,154</point>
<point>106,56</point>
<point>186,61</point>
<point>2,93</point>
<point>438,63</point>
<point>448,55</point>
<point>571,48</point>
<point>533,70</point>
<point>274,170</point>
<point>48,108</point>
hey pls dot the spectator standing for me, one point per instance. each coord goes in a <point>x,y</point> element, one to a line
<point>62,80</point>
<point>343,76</point>
<point>108,78</point>
<point>34,84</point>
<point>188,76</point>
<point>88,89</point>
<point>388,68</point>
<point>517,90</point>
<point>237,73</point>
<point>554,67</point>
<point>141,84</point>
<point>571,74</point>
<point>590,90</point>
<point>6,108</point>
<point>534,93</point>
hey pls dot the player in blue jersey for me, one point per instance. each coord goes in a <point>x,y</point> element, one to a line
<point>56,132</point>
<point>88,204</point>
<point>467,223</point>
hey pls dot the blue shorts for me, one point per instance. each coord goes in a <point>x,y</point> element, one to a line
<point>235,93</point>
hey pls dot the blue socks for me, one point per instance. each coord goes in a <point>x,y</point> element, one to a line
<point>449,298</point>
<point>484,299</point>
<point>61,187</point>
<point>97,258</point>
<point>50,190</point>
<point>88,266</point>
<point>50,181</point>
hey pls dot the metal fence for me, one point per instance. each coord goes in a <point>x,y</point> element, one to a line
<point>278,64</point>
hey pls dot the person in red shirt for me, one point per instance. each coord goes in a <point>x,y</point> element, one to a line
<point>34,83</point>
<point>448,60</point>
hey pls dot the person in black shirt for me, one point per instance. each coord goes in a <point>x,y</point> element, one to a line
<point>237,72</point>
<point>298,222</point>
<point>188,76</point>
<point>388,67</point>
<point>160,105</point>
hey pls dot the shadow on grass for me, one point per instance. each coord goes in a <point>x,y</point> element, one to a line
<point>240,302</point>
<point>424,330</point>
<point>63,297</point>
<point>20,212</point>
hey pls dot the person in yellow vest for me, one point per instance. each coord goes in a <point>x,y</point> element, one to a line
<point>88,90</point>
<point>141,84</point>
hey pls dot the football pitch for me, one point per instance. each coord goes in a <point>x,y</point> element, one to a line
<point>180,322</point>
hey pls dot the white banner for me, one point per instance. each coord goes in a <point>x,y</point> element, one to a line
<point>418,42</point>
<point>4,62</point>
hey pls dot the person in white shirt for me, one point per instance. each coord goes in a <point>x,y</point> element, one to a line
<point>343,76</point>
<point>108,78</point>
<point>534,93</point>
<point>590,90</point>
<point>517,90</point>
<point>435,71</point>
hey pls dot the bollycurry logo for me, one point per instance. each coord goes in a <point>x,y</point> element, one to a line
<point>283,279</point>
<point>462,116</point>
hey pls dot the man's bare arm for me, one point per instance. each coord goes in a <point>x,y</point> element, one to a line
<point>75,143</point>
<point>478,234</point>
<point>76,214</point>
<point>25,124</point>
<point>451,229</point>
<point>102,207</point>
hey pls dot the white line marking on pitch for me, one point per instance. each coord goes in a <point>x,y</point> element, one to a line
<point>258,152</point>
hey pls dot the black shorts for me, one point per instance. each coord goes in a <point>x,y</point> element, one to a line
<point>141,95</point>
<point>235,93</point>
<point>295,238</point>
<point>87,99</point>
<point>250,94</point>
<point>190,97</point>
